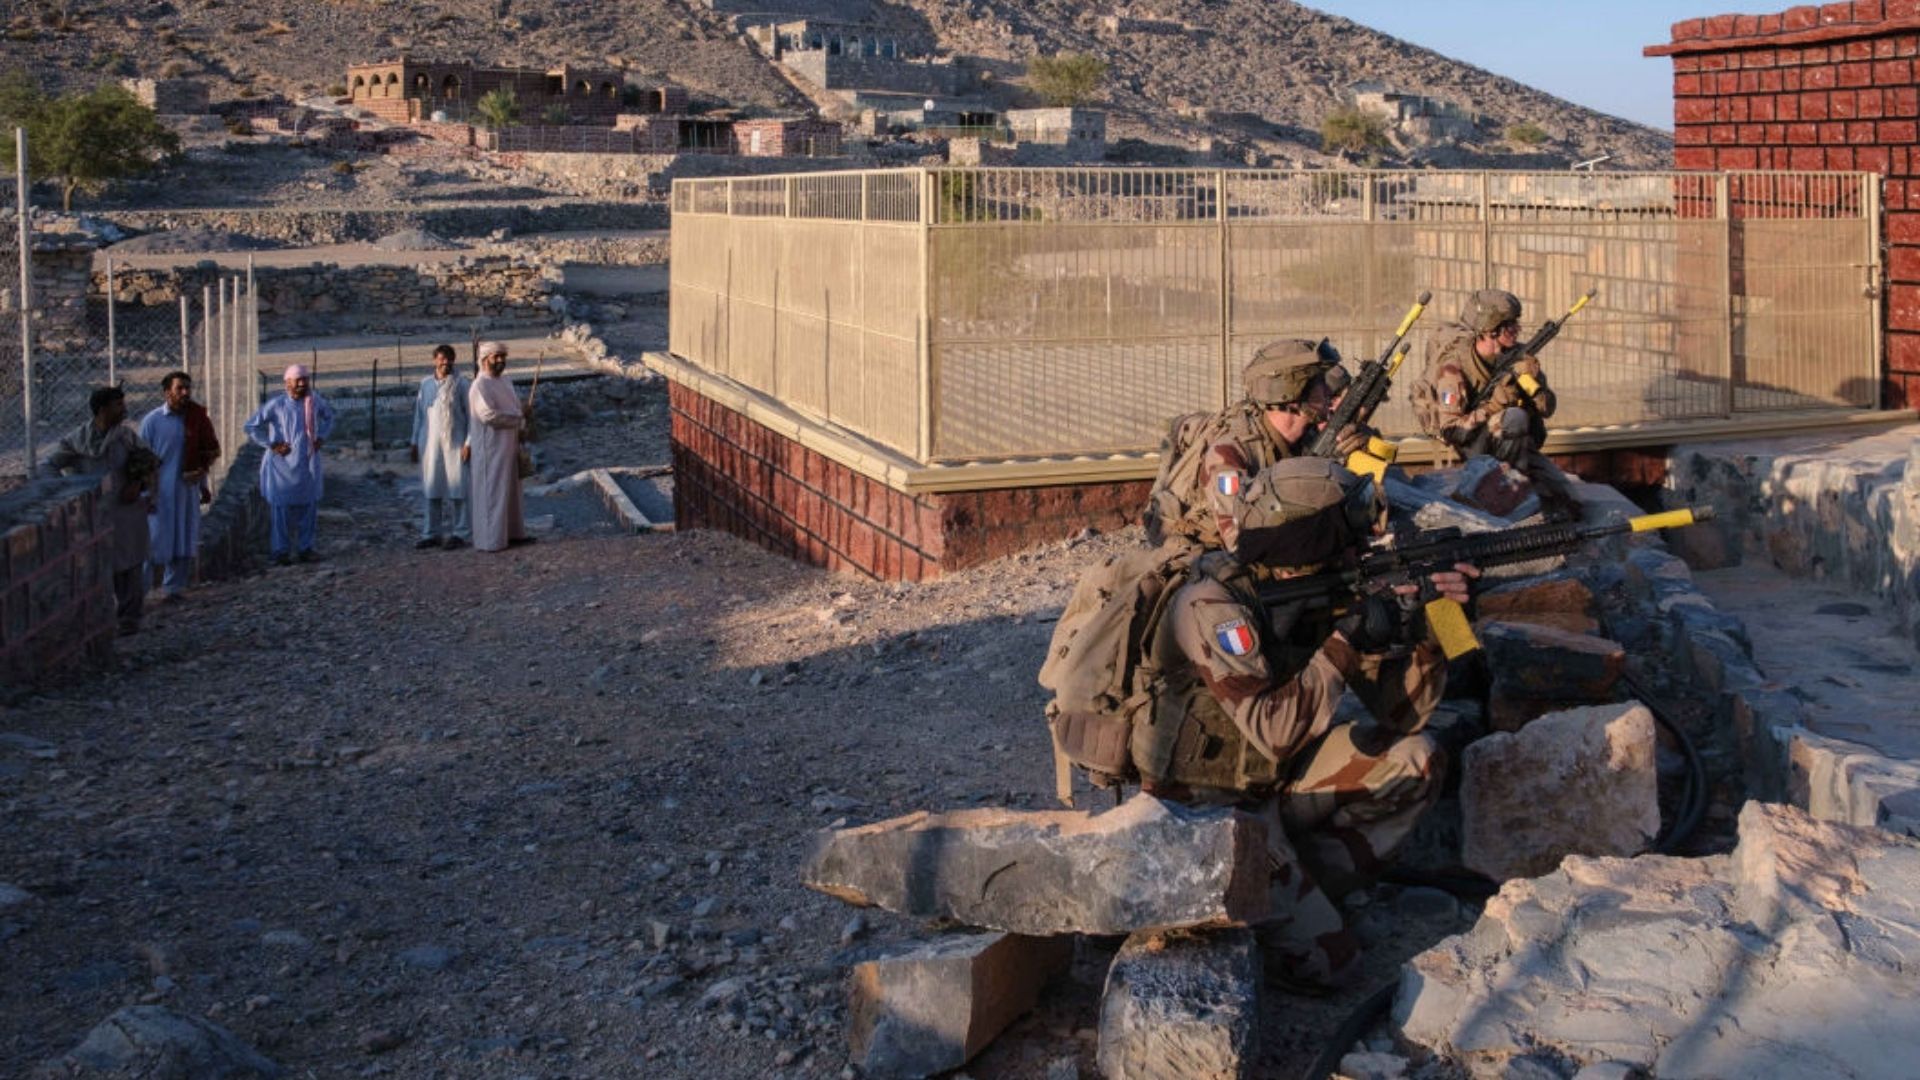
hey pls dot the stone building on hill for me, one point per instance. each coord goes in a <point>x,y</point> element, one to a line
<point>406,90</point>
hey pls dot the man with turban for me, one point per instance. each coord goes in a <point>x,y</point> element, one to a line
<point>292,427</point>
<point>493,494</point>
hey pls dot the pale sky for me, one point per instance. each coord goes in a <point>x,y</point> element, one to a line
<point>1588,54</point>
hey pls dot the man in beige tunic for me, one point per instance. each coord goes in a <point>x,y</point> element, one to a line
<point>493,494</point>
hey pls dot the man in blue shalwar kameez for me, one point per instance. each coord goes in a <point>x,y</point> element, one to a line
<point>292,427</point>
<point>173,524</point>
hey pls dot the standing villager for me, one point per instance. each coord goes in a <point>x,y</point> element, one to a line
<point>292,427</point>
<point>440,425</point>
<point>494,477</point>
<point>108,446</point>
<point>173,526</point>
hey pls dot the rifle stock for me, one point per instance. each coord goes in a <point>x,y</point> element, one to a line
<point>1438,550</point>
<point>1368,390</point>
<point>1503,367</point>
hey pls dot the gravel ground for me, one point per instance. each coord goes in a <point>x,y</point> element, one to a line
<point>535,813</point>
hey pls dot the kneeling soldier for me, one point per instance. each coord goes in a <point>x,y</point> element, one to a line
<point>1231,704</point>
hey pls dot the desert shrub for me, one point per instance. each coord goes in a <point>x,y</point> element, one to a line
<point>1353,130</point>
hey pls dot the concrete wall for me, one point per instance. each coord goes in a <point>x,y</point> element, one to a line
<point>1828,87</point>
<point>56,579</point>
<point>734,474</point>
<point>174,96</point>
<point>871,73</point>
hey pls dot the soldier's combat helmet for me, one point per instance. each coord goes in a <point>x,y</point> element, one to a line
<point>1489,309</point>
<point>1301,512</point>
<point>1282,371</point>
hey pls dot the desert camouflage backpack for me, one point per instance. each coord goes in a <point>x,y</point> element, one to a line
<point>1097,666</point>
<point>1177,504</point>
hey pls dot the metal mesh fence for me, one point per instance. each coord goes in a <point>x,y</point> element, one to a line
<point>12,417</point>
<point>1073,311</point>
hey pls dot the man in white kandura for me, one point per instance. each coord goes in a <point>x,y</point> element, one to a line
<point>493,497</point>
<point>440,446</point>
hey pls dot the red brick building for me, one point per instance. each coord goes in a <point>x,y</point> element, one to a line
<point>1827,87</point>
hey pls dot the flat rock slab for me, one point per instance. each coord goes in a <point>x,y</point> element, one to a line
<point>1144,865</point>
<point>931,1008</point>
<point>1792,957</point>
<point>150,1041</point>
<point>1182,1007</point>
<point>1579,782</point>
<point>1559,600</point>
<point>1536,668</point>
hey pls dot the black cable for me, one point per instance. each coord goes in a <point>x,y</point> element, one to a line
<point>1363,1016</point>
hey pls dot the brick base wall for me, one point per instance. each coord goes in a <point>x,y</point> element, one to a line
<point>734,474</point>
<point>56,579</point>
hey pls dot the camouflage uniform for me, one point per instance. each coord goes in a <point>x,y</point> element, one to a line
<point>1239,441</point>
<point>1457,372</point>
<point>1255,705</point>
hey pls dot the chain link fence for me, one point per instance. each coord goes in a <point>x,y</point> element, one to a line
<point>88,330</point>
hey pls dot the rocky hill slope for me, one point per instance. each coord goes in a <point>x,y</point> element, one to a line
<point>1255,74</point>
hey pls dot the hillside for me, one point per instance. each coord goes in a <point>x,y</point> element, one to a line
<point>1256,74</point>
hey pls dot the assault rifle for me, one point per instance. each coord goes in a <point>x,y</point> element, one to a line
<point>1410,561</point>
<point>1503,367</point>
<point>1363,395</point>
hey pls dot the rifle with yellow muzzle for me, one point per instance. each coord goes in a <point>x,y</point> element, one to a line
<point>1415,559</point>
<point>1503,367</point>
<point>1363,396</point>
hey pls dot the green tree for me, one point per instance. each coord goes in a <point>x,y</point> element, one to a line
<point>1527,133</point>
<point>497,109</point>
<point>1353,130</point>
<point>85,141</point>
<point>556,116</point>
<point>1066,79</point>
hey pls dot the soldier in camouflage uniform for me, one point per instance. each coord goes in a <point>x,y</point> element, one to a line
<point>1512,423</point>
<point>1250,696</point>
<point>1289,388</point>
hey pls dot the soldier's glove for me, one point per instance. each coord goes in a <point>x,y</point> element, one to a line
<point>1379,622</point>
<point>1352,439</point>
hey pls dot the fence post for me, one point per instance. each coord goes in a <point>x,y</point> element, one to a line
<point>1723,209</point>
<point>1486,230</point>
<point>1870,183</point>
<point>206,327</point>
<point>186,335</point>
<point>1226,287</point>
<point>923,326</point>
<point>26,301</point>
<point>112,359</point>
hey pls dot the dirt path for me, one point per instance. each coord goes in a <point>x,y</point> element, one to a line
<point>536,813</point>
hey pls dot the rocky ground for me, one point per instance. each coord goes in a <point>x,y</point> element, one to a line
<point>536,813</point>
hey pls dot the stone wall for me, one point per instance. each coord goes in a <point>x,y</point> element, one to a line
<point>497,287</point>
<point>842,72</point>
<point>638,175</point>
<point>60,266</point>
<point>56,579</point>
<point>308,228</point>
<point>1830,87</point>
<point>173,96</point>
<point>734,474</point>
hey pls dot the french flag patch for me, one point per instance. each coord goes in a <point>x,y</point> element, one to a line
<point>1227,483</point>
<point>1449,397</point>
<point>1235,636</point>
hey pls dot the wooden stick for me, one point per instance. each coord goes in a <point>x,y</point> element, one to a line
<point>534,390</point>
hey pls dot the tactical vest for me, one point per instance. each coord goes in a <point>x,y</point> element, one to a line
<point>1159,725</point>
<point>1177,505</point>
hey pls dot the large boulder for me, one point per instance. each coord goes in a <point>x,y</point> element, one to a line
<point>1792,957</point>
<point>932,1007</point>
<point>1182,1007</point>
<point>153,1043</point>
<point>1143,865</point>
<point>1579,782</point>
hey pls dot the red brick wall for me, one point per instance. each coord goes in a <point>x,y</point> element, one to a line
<point>1834,86</point>
<point>56,579</point>
<point>734,474</point>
